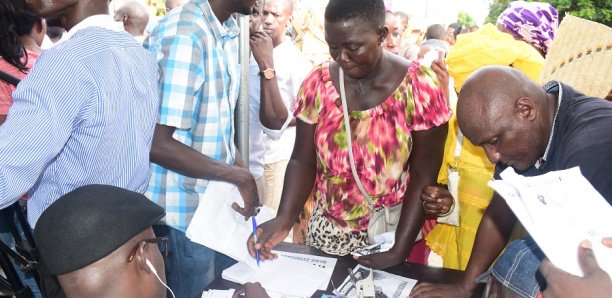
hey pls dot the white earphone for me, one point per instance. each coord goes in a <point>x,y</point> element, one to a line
<point>158,278</point>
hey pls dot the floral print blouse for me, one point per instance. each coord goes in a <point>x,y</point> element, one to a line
<point>381,139</point>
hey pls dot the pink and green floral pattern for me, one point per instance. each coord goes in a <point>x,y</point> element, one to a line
<point>381,139</point>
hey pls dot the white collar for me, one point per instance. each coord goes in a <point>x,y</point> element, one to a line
<point>549,86</point>
<point>100,20</point>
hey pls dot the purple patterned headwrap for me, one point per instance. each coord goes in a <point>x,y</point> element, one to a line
<point>533,22</point>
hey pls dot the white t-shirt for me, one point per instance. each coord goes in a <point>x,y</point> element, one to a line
<point>291,67</point>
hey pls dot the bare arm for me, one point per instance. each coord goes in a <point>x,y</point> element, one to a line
<point>298,184</point>
<point>491,238</point>
<point>272,109</point>
<point>425,160</point>
<point>176,156</point>
<point>493,233</point>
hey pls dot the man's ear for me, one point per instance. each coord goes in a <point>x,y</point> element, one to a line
<point>140,258</point>
<point>41,27</point>
<point>38,31</point>
<point>382,33</point>
<point>526,108</point>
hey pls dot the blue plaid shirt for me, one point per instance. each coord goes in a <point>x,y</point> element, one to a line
<point>199,82</point>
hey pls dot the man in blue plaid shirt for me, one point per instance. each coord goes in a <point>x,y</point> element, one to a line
<point>196,46</point>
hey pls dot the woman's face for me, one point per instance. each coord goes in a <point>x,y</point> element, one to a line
<point>355,45</point>
<point>392,40</point>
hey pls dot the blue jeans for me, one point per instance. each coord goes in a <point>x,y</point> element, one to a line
<point>517,268</point>
<point>190,267</point>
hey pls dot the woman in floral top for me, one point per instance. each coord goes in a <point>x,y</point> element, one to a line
<point>398,116</point>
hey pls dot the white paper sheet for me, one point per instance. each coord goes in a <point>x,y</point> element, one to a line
<point>218,293</point>
<point>217,226</point>
<point>560,209</point>
<point>291,274</point>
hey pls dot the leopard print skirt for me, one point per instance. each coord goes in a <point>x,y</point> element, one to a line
<point>326,236</point>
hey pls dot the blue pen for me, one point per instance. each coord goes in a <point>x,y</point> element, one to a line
<point>255,238</point>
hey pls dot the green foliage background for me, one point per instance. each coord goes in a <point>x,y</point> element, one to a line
<point>595,10</point>
<point>159,5</point>
<point>466,20</point>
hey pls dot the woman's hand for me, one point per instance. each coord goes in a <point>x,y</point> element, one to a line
<point>269,234</point>
<point>381,260</point>
<point>439,67</point>
<point>437,200</point>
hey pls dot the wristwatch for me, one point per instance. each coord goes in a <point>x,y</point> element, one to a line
<point>268,73</point>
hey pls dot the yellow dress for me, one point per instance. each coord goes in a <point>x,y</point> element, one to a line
<point>487,46</point>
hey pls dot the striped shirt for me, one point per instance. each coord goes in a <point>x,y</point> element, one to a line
<point>200,77</point>
<point>85,114</point>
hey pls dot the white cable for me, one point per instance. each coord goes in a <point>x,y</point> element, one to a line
<point>158,278</point>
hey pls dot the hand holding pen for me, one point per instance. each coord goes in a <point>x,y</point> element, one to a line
<point>269,234</point>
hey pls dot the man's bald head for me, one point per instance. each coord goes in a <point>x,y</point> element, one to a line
<point>491,91</point>
<point>134,16</point>
<point>172,4</point>
<point>500,103</point>
<point>287,4</point>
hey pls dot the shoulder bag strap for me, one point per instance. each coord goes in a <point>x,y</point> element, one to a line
<point>9,78</point>
<point>349,141</point>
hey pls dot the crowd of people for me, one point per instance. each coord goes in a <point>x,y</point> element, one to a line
<point>115,131</point>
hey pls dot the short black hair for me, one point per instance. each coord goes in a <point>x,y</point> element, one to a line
<point>457,28</point>
<point>371,11</point>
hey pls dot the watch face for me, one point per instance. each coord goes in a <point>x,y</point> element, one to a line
<point>268,74</point>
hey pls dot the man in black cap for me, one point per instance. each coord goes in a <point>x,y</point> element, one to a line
<point>98,241</point>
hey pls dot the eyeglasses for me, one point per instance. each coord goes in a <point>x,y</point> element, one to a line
<point>162,244</point>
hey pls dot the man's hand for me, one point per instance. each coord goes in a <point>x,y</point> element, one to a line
<point>436,200</point>
<point>262,48</point>
<point>595,283</point>
<point>381,260</point>
<point>248,190</point>
<point>269,234</point>
<point>254,290</point>
<point>424,289</point>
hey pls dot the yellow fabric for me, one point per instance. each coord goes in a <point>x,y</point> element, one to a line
<point>308,23</point>
<point>488,46</point>
<point>454,244</point>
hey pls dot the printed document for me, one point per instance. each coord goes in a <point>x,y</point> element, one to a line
<point>217,226</point>
<point>560,209</point>
<point>291,274</point>
<point>385,284</point>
